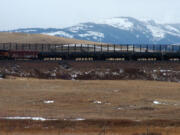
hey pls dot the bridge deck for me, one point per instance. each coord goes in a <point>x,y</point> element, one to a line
<point>98,52</point>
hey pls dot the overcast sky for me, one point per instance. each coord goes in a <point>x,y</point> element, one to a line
<point>63,13</point>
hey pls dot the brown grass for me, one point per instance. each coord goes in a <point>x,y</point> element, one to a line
<point>74,99</point>
<point>86,128</point>
<point>103,127</point>
<point>6,37</point>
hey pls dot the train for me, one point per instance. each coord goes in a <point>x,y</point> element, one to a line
<point>8,54</point>
<point>89,52</point>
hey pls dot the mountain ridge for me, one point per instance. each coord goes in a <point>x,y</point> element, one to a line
<point>118,30</point>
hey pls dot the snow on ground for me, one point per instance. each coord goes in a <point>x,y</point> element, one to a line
<point>121,71</point>
<point>79,119</point>
<point>128,107</point>
<point>59,33</point>
<point>48,101</point>
<point>156,102</point>
<point>73,76</point>
<point>162,70</point>
<point>79,27</point>
<point>76,28</point>
<point>92,33</point>
<point>159,103</point>
<point>157,32</point>
<point>26,118</point>
<point>76,119</point>
<point>120,108</point>
<point>154,70</point>
<point>39,118</point>
<point>97,102</point>
<point>168,27</point>
<point>120,23</point>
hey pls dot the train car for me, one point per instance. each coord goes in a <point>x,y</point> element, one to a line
<point>4,54</point>
<point>23,54</point>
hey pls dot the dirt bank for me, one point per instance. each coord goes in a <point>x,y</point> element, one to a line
<point>99,70</point>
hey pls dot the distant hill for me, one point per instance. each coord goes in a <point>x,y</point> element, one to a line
<point>124,30</point>
<point>7,37</point>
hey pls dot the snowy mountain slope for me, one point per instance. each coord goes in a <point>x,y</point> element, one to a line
<point>124,30</point>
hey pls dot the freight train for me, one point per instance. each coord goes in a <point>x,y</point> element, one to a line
<point>95,52</point>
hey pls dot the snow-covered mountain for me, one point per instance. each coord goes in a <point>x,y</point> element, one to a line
<point>119,30</point>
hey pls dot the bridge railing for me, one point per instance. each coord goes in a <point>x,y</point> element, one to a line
<point>69,48</point>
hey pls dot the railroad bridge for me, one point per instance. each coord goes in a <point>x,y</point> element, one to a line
<point>97,52</point>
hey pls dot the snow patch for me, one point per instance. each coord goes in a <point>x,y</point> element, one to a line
<point>49,102</point>
<point>168,27</point>
<point>59,33</point>
<point>73,76</point>
<point>76,28</point>
<point>79,119</point>
<point>120,23</point>
<point>156,32</point>
<point>26,118</point>
<point>95,38</point>
<point>162,70</point>
<point>97,102</point>
<point>159,32</point>
<point>79,27</point>
<point>76,119</point>
<point>121,71</point>
<point>120,108</point>
<point>92,33</point>
<point>158,103</point>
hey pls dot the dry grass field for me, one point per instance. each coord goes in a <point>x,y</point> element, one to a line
<point>90,107</point>
<point>6,37</point>
<point>73,99</point>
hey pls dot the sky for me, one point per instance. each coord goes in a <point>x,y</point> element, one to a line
<point>63,13</point>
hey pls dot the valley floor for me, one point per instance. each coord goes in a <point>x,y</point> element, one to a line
<point>89,107</point>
